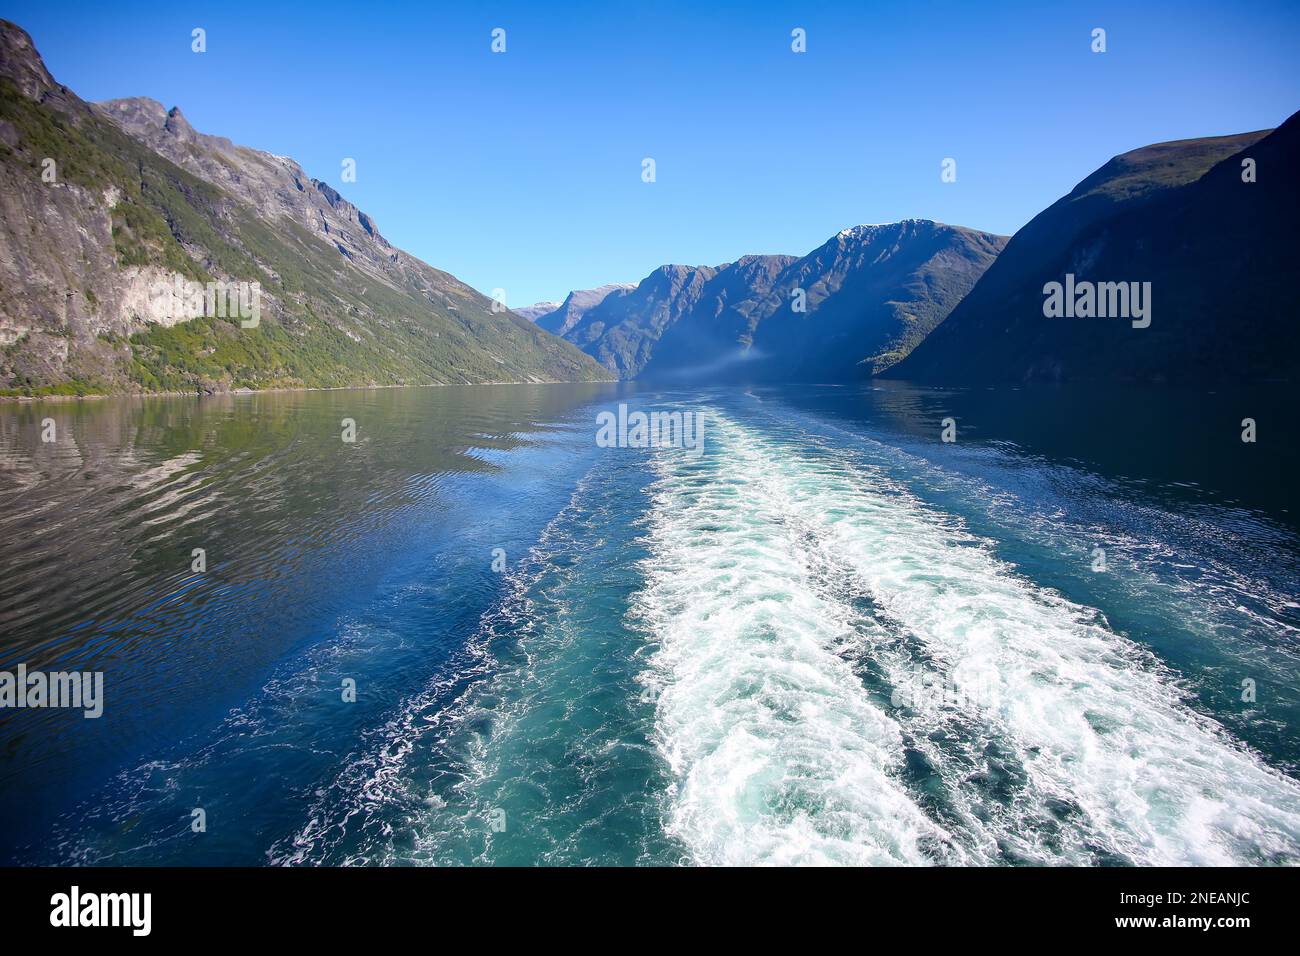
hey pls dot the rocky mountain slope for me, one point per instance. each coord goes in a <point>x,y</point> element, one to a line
<point>1219,252</point>
<point>869,295</point>
<point>100,205</point>
<point>577,304</point>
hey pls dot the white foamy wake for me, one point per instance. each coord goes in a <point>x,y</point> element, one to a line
<point>778,755</point>
<point>1078,748</point>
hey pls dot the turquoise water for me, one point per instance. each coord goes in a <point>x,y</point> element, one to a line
<point>829,638</point>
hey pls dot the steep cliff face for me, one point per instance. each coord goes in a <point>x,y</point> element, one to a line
<point>103,205</point>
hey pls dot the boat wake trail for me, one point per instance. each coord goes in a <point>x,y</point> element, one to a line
<point>843,675</point>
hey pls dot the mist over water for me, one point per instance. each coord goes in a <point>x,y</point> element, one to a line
<point>723,658</point>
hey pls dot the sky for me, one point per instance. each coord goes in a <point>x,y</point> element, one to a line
<point>522,170</point>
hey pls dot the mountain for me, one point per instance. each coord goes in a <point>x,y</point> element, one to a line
<point>103,205</point>
<point>715,332</point>
<point>870,294</point>
<point>623,329</point>
<point>575,305</point>
<point>873,292</point>
<point>1220,255</point>
<point>535,311</point>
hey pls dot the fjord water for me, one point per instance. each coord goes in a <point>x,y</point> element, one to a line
<point>829,638</point>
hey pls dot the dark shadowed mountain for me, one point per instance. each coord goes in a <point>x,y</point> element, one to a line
<point>100,205</point>
<point>1220,254</point>
<point>869,295</point>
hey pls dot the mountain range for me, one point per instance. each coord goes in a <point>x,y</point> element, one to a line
<point>103,204</point>
<point>852,307</point>
<point>1205,226</point>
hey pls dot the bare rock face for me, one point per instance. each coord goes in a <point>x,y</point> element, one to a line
<point>102,205</point>
<point>61,280</point>
<point>21,64</point>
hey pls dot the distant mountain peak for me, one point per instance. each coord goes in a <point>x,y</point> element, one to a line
<point>576,304</point>
<point>145,107</point>
<point>536,310</point>
<point>146,119</point>
<point>867,229</point>
<point>179,126</point>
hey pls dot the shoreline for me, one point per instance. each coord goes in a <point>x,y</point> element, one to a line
<point>101,396</point>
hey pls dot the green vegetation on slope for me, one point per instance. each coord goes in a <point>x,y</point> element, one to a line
<point>324,322</point>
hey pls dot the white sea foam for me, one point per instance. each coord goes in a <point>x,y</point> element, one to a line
<point>780,755</point>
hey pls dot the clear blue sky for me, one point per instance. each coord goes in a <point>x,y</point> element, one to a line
<point>523,170</point>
